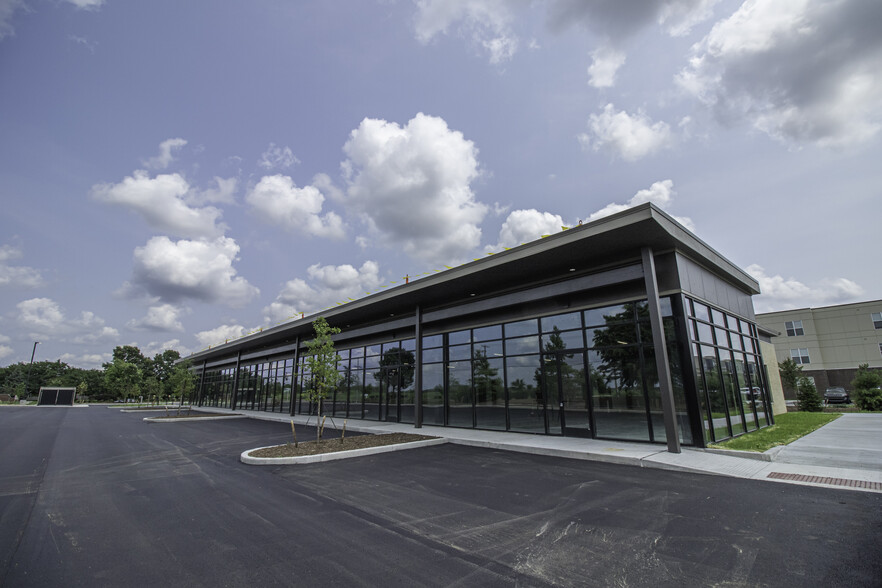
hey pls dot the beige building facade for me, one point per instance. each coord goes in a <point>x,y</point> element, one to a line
<point>829,342</point>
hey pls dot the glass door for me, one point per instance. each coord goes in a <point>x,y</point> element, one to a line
<point>566,394</point>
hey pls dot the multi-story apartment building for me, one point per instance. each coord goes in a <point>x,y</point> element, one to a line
<point>829,342</point>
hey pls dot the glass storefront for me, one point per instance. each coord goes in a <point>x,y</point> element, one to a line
<point>731,386</point>
<point>588,373</point>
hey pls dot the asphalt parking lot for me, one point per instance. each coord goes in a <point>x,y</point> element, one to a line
<point>96,497</point>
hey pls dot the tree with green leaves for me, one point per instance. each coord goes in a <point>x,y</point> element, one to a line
<point>123,377</point>
<point>321,362</point>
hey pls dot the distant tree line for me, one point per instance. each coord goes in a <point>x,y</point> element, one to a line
<point>130,375</point>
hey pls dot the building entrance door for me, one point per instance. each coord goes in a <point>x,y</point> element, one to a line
<point>566,394</point>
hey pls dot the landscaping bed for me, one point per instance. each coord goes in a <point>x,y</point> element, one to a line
<point>335,445</point>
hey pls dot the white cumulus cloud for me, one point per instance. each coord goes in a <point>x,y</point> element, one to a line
<point>779,293</point>
<point>412,185</point>
<point>13,275</point>
<point>522,226</point>
<point>631,137</point>
<point>221,334</point>
<point>604,66</point>
<point>327,285</point>
<point>277,200</point>
<point>660,193</point>
<point>44,317</point>
<point>277,157</point>
<point>802,71</point>
<point>87,4</point>
<point>160,202</point>
<point>162,317</point>
<point>486,22</point>
<point>166,154</point>
<point>202,270</point>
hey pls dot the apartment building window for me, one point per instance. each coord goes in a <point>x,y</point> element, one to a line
<point>877,319</point>
<point>800,356</point>
<point>794,328</point>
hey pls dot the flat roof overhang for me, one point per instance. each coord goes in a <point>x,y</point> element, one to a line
<point>605,243</point>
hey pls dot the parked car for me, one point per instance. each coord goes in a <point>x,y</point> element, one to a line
<point>835,395</point>
<point>752,393</point>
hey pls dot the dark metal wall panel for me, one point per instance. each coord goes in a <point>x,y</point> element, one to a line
<point>703,284</point>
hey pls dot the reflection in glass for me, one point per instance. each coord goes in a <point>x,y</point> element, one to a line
<point>526,404</point>
<point>601,316</point>
<point>521,328</point>
<point>489,391</point>
<point>460,401</point>
<point>617,393</point>
<point>730,388</point>
<point>522,345</point>
<point>459,337</point>
<point>433,394</point>
<point>566,340</point>
<point>487,333</point>
<point>433,341</point>
<point>561,322</point>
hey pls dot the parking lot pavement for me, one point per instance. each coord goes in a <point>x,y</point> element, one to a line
<point>96,497</point>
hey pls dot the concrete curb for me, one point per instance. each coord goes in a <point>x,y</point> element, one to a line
<point>304,459</point>
<point>191,419</point>
<point>742,454</point>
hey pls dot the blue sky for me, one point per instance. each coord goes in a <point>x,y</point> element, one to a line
<point>175,174</point>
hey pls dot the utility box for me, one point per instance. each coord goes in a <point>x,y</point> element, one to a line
<point>56,396</point>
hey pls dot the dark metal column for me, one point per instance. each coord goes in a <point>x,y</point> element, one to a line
<point>201,386</point>
<point>662,363</point>
<point>418,372</point>
<point>234,397</point>
<point>295,375</point>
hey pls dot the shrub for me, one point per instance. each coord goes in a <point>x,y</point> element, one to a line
<point>807,396</point>
<point>870,399</point>
<point>866,383</point>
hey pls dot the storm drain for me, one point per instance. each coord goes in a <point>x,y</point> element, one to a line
<point>824,480</point>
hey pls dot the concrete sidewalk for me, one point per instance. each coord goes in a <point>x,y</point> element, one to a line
<point>846,453</point>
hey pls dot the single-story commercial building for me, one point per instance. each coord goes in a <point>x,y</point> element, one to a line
<point>626,328</point>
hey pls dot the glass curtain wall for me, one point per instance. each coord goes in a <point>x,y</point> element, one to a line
<point>587,373</point>
<point>732,392</point>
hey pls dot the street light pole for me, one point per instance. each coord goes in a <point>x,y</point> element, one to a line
<point>31,365</point>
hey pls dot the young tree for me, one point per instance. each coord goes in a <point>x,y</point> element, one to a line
<point>807,396</point>
<point>181,382</point>
<point>321,362</point>
<point>791,372</point>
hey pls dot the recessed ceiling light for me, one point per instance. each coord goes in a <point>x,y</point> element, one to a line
<point>572,269</point>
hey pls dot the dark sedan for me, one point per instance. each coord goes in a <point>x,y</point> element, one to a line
<point>836,395</point>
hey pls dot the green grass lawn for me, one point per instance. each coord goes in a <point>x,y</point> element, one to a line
<point>788,428</point>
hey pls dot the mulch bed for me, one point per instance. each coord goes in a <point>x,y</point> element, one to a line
<point>193,415</point>
<point>334,445</point>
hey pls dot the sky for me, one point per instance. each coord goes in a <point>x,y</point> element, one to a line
<point>177,174</point>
